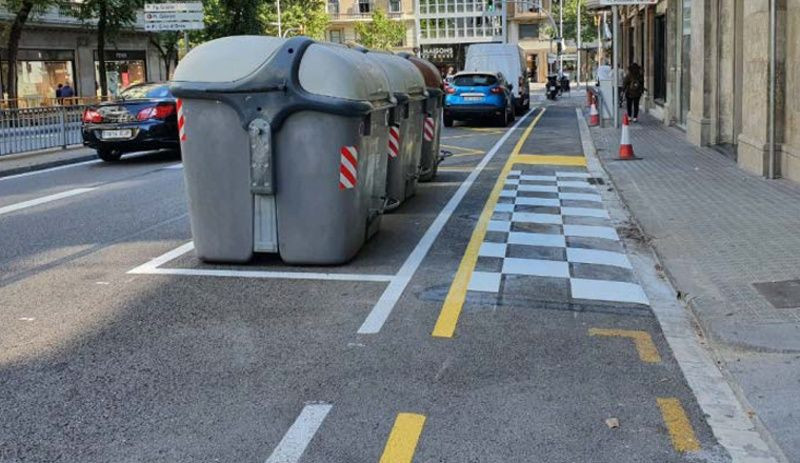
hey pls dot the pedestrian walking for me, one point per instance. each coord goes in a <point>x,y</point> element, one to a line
<point>633,87</point>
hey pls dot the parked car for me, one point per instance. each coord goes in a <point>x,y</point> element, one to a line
<point>507,59</point>
<point>478,96</point>
<point>143,117</point>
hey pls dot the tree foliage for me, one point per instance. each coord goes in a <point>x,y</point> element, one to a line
<point>382,33</point>
<point>112,17</point>
<point>22,11</point>
<point>588,29</point>
<point>233,17</point>
<point>299,17</point>
<point>167,45</point>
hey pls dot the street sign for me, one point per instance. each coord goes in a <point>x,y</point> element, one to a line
<point>173,7</point>
<point>173,16</point>
<point>182,16</point>
<point>173,26</point>
<point>627,2</point>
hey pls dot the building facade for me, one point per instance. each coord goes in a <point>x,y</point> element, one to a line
<point>706,66</point>
<point>527,27</point>
<point>345,14</point>
<point>56,48</point>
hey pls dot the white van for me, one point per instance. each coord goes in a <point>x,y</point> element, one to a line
<point>507,59</point>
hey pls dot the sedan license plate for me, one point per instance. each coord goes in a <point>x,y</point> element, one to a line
<point>116,134</point>
<point>473,98</point>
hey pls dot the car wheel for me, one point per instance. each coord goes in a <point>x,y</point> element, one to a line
<point>448,121</point>
<point>109,155</point>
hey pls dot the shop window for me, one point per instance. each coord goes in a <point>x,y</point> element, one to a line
<point>123,69</point>
<point>528,31</point>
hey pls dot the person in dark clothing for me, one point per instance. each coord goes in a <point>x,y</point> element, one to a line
<point>59,89</point>
<point>634,88</point>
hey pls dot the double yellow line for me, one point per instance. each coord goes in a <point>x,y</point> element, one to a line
<point>451,309</point>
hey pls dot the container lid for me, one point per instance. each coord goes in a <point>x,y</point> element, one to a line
<point>429,72</point>
<point>337,71</point>
<point>228,59</point>
<point>403,76</point>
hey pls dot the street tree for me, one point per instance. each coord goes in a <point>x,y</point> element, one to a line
<point>299,17</point>
<point>233,17</point>
<point>112,16</point>
<point>382,33</point>
<point>588,30</point>
<point>22,11</point>
<point>167,45</point>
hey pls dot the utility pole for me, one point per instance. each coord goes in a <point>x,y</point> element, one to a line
<point>561,38</point>
<point>579,44</point>
<point>278,6</point>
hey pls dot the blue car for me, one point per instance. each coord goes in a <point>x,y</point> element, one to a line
<point>478,96</point>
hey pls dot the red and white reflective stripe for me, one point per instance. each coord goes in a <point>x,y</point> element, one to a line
<point>428,128</point>
<point>181,121</point>
<point>348,167</point>
<point>394,141</point>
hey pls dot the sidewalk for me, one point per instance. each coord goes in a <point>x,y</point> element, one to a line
<point>12,164</point>
<point>719,232</point>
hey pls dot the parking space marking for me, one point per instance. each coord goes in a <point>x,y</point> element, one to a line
<point>52,169</point>
<point>380,312</point>
<point>680,429</point>
<point>44,200</point>
<point>454,302</point>
<point>299,435</point>
<point>403,438</point>
<point>641,339</point>
<point>153,268</point>
<point>553,160</point>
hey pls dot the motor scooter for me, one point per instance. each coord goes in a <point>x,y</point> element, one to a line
<point>552,88</point>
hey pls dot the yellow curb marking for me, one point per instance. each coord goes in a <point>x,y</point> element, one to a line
<point>551,160</point>
<point>641,339</point>
<point>451,309</point>
<point>678,425</point>
<point>402,442</point>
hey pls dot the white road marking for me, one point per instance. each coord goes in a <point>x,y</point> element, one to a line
<point>380,312</point>
<point>52,169</point>
<point>580,197</point>
<point>612,291</point>
<point>538,188</point>
<point>591,231</point>
<point>299,435</point>
<point>538,178</point>
<point>537,239</point>
<point>572,174</point>
<point>534,201</point>
<point>596,256</point>
<point>492,250</point>
<point>584,212</point>
<point>487,282</point>
<point>175,166</point>
<point>152,268</point>
<point>536,267</point>
<point>530,217</point>
<point>43,200</point>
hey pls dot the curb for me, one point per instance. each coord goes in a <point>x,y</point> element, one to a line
<point>46,165</point>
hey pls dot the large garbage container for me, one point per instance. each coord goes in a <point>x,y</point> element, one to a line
<point>406,123</point>
<point>429,158</point>
<point>283,145</point>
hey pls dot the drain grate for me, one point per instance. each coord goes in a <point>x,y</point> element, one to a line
<point>781,294</point>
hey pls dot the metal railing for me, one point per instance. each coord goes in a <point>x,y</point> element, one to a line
<point>31,129</point>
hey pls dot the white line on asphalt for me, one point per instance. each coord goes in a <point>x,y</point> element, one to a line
<point>725,414</point>
<point>299,435</point>
<point>380,312</point>
<point>52,169</point>
<point>152,268</point>
<point>43,200</point>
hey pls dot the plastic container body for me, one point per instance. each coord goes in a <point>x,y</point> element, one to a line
<point>432,127</point>
<point>282,148</point>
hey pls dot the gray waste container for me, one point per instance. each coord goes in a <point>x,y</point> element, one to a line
<point>429,159</point>
<point>408,87</point>
<point>283,147</point>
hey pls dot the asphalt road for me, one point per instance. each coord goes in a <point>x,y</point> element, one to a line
<point>189,362</point>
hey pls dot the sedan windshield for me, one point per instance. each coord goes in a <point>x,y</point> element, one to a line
<point>475,80</point>
<point>139,92</point>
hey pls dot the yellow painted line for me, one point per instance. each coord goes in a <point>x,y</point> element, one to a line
<point>678,425</point>
<point>402,442</point>
<point>483,129</point>
<point>451,309</point>
<point>641,339</point>
<point>476,134</point>
<point>464,151</point>
<point>551,160</point>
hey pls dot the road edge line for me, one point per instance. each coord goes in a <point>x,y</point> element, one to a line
<point>744,440</point>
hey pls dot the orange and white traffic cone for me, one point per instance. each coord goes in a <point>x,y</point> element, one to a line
<point>594,116</point>
<point>625,147</point>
